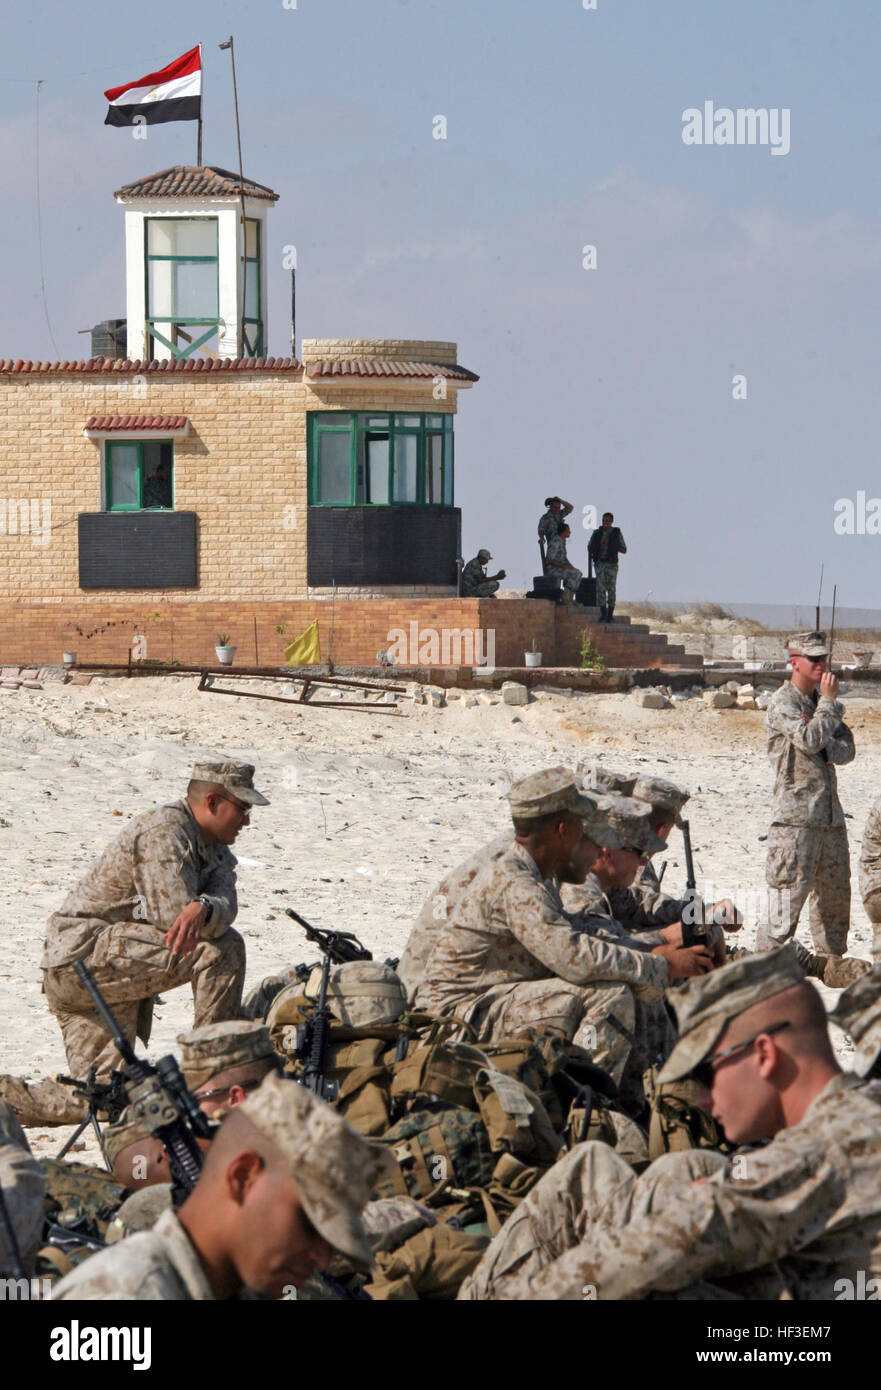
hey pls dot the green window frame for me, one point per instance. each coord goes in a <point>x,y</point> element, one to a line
<point>142,465</point>
<point>413,476</point>
<point>154,315</point>
<point>253,341</point>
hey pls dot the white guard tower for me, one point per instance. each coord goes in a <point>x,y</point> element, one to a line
<point>189,270</point>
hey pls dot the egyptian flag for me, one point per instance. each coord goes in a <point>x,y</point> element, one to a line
<point>173,94</point>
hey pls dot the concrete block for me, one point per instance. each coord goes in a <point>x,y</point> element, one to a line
<point>651,699</point>
<point>419,696</point>
<point>469,701</point>
<point>490,697</point>
<point>763,700</point>
<point>746,692</point>
<point>731,686</point>
<point>513,693</point>
<point>719,699</point>
<point>747,703</point>
<point>436,699</point>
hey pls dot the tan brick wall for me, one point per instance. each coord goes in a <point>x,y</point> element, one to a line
<point>241,468</point>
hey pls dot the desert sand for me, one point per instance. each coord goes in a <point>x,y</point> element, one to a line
<point>368,811</point>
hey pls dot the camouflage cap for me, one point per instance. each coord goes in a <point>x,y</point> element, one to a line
<point>858,1012</point>
<point>631,821</point>
<point>237,778</point>
<point>483,551</point>
<point>705,1005</point>
<point>130,1128</point>
<point>596,823</point>
<point>335,1168</point>
<point>807,644</point>
<point>602,779</point>
<point>661,795</point>
<point>555,789</point>
<point>207,1051</point>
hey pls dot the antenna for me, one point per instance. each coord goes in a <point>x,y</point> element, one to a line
<point>819,597</point>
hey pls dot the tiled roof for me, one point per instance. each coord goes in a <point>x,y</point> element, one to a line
<point>194,181</point>
<point>127,367</point>
<point>105,423</point>
<point>330,367</point>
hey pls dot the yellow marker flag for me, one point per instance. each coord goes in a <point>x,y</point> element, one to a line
<point>305,651</point>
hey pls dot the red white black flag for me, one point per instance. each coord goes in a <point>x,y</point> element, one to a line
<point>172,94</point>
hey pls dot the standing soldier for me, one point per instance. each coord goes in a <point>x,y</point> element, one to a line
<point>549,524</point>
<point>807,842</point>
<point>604,547</point>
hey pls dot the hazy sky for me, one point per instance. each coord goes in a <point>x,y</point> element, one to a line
<point>611,386</point>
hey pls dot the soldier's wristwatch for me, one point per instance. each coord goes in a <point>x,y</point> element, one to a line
<point>209,909</point>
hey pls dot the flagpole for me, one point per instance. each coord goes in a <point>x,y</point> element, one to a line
<point>201,98</point>
<point>232,53</point>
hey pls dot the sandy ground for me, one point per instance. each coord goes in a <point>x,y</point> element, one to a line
<point>368,811</point>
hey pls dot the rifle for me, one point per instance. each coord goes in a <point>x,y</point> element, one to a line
<point>695,928</point>
<point>337,947</point>
<point>160,1095</point>
<point>106,1096</point>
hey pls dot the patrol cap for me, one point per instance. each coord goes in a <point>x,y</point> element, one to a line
<point>661,795</point>
<point>808,644</point>
<point>237,778</point>
<point>602,779</point>
<point>631,821</point>
<point>555,789</point>
<point>130,1128</point>
<point>597,825</point>
<point>858,1011</point>
<point>334,1167</point>
<point>706,1004</point>
<point>214,1048</point>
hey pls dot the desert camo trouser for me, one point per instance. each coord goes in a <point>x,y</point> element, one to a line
<point>607,583</point>
<point>592,1186</point>
<point>807,863</point>
<point>131,965</point>
<point>605,1018</point>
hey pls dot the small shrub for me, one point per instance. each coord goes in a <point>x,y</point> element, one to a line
<point>591,659</point>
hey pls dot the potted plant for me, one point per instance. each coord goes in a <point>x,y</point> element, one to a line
<point>533,658</point>
<point>225,652</point>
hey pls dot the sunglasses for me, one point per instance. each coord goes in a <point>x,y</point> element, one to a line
<point>225,1090</point>
<point>704,1072</point>
<point>633,849</point>
<point>245,810</point>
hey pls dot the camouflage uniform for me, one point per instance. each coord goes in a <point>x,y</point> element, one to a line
<point>870,874</point>
<point>157,1264</point>
<point>571,577</point>
<point>115,920</point>
<point>335,1171</point>
<point>438,907</point>
<point>24,1190</point>
<point>474,581</point>
<point>550,523</point>
<point>510,959</point>
<point>807,841</point>
<point>807,1205</point>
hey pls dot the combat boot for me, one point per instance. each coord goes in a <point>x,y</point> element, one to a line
<point>836,972</point>
<point>610,613</point>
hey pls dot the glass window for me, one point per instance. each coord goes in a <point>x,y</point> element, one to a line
<point>448,469</point>
<point>252,237</point>
<point>434,422</point>
<point>434,458</point>
<point>182,236</point>
<point>377,469</point>
<point>140,474</point>
<point>334,467</point>
<point>335,420</point>
<point>381,421</point>
<point>409,421</point>
<point>405,470</point>
<point>124,476</point>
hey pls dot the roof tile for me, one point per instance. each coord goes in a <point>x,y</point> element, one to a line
<point>105,423</point>
<point>193,180</point>
<point>333,366</point>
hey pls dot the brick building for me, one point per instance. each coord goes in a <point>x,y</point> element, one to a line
<point>197,487</point>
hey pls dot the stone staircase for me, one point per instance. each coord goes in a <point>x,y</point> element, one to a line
<point>620,643</point>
